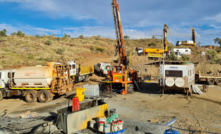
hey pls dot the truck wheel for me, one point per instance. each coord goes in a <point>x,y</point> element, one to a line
<point>31,96</point>
<point>218,81</point>
<point>44,96</point>
<point>211,81</point>
<point>1,96</point>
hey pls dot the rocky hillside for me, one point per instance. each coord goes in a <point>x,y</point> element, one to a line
<point>28,50</point>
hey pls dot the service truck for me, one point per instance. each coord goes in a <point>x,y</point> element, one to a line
<point>80,72</point>
<point>177,77</point>
<point>37,82</point>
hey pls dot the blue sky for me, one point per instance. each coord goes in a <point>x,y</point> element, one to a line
<point>140,18</point>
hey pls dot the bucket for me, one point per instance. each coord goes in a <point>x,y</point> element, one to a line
<point>114,126</point>
<point>80,93</point>
<point>92,123</point>
<point>101,126</point>
<point>120,124</point>
<point>107,128</point>
<point>112,111</point>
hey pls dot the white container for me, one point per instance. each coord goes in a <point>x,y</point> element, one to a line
<point>101,126</point>
<point>92,123</point>
<point>91,90</point>
<point>107,128</point>
<point>120,124</point>
<point>114,126</point>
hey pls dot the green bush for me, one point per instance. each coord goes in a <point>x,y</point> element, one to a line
<point>170,48</point>
<point>66,36</point>
<point>81,37</point>
<point>60,50</point>
<point>19,33</point>
<point>152,44</point>
<point>3,33</point>
<point>37,36</point>
<point>58,39</point>
<point>212,52</point>
<point>172,57</point>
<point>100,49</point>
<point>92,48</point>
<point>14,33</point>
<point>48,42</point>
<point>185,58</point>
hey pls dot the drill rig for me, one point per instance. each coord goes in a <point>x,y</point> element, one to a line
<point>121,76</point>
<point>188,42</point>
<point>157,53</point>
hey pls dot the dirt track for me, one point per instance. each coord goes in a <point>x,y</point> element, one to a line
<point>198,112</point>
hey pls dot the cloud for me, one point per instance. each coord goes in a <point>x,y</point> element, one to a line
<point>140,19</point>
<point>28,30</point>
<point>216,18</point>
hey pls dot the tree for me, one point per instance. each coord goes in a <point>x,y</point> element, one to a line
<point>66,36</point>
<point>126,37</point>
<point>37,36</point>
<point>81,36</point>
<point>153,37</point>
<point>3,33</point>
<point>19,33</point>
<point>218,41</point>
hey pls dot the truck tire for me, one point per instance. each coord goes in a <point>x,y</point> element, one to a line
<point>44,96</point>
<point>218,81</point>
<point>30,96</point>
<point>1,96</point>
<point>211,81</point>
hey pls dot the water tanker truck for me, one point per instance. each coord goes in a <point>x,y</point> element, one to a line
<point>37,82</point>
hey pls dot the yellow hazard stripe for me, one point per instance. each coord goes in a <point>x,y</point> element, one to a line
<point>29,88</point>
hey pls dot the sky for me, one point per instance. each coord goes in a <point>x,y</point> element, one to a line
<point>140,18</point>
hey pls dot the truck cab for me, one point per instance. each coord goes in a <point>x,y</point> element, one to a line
<point>73,70</point>
<point>5,76</point>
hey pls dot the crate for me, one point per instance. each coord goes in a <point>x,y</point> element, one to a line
<point>91,90</point>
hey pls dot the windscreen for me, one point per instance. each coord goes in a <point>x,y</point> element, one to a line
<point>177,73</point>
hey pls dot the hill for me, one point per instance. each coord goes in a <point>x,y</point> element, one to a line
<point>25,50</point>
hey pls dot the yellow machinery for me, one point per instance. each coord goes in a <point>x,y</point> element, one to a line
<point>157,53</point>
<point>188,42</point>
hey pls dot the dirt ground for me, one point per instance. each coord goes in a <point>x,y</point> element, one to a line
<point>198,112</point>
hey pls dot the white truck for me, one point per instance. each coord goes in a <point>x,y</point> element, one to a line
<point>81,72</point>
<point>140,51</point>
<point>183,51</point>
<point>177,77</point>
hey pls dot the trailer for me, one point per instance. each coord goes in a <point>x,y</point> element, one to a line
<point>210,79</point>
<point>177,77</point>
<point>37,82</point>
<point>183,51</point>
